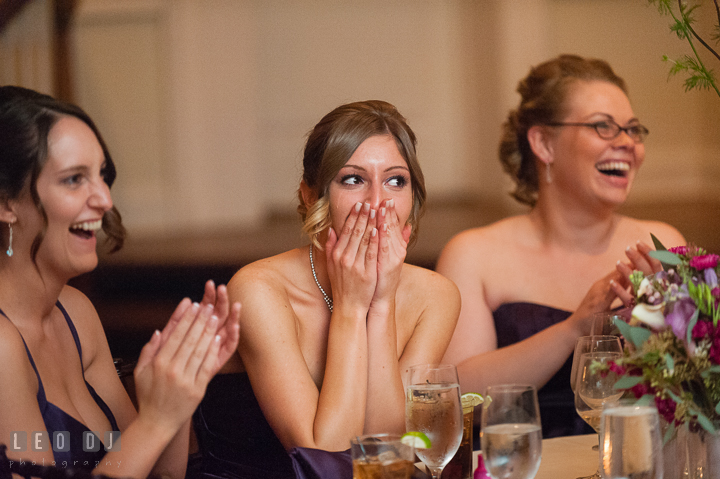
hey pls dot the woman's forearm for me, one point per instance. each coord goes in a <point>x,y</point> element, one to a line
<point>532,361</point>
<point>385,410</point>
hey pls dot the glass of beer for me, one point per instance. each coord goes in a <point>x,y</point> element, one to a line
<point>381,456</point>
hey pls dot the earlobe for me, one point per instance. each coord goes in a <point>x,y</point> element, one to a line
<point>7,215</point>
<point>540,144</point>
<point>308,195</point>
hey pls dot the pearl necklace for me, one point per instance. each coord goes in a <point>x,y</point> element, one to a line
<point>328,299</point>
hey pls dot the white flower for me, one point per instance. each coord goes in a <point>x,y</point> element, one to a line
<point>652,315</point>
<point>645,288</point>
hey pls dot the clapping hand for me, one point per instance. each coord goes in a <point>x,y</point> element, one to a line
<point>639,260</point>
<point>175,367</point>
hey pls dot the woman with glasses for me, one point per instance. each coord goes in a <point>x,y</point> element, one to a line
<point>531,283</point>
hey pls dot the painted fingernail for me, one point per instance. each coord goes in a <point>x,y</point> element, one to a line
<point>358,205</point>
<point>374,232</point>
<point>366,207</point>
<point>372,214</point>
<point>382,211</point>
<point>618,263</point>
<point>627,249</point>
<point>385,227</point>
<point>391,203</point>
<point>213,320</point>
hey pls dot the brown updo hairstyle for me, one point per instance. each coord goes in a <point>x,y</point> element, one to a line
<point>543,95</point>
<point>334,140</point>
<point>26,118</point>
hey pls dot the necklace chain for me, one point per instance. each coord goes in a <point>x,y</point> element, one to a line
<point>328,299</point>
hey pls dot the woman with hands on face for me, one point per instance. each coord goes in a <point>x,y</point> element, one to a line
<point>57,377</point>
<point>531,283</point>
<point>328,329</point>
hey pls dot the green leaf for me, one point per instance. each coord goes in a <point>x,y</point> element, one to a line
<point>634,334</point>
<point>705,423</point>
<point>639,335</point>
<point>666,257</point>
<point>669,433</point>
<point>717,408</point>
<point>656,242</point>
<point>646,400</point>
<point>673,396</point>
<point>691,325</point>
<point>670,362</point>
<point>626,382</point>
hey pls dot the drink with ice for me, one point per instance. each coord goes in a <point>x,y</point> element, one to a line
<point>435,410</point>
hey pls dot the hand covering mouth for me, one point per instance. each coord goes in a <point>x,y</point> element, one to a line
<point>86,229</point>
<point>614,168</point>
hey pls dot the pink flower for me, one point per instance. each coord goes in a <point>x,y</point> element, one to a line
<point>639,390</point>
<point>702,329</point>
<point>666,408</point>
<point>616,368</point>
<point>705,261</point>
<point>715,292</point>
<point>682,250</point>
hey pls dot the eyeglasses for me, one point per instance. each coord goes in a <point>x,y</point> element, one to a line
<point>608,129</point>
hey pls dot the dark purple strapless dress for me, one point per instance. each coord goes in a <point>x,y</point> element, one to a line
<point>517,321</point>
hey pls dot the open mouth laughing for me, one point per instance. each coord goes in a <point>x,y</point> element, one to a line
<point>614,168</point>
<point>86,229</point>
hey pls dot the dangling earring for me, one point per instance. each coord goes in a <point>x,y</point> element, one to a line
<point>548,173</point>
<point>9,251</point>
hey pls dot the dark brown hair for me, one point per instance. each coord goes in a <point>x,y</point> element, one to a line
<point>26,118</point>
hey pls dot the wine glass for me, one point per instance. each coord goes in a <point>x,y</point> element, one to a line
<point>603,324</point>
<point>630,442</point>
<point>591,344</point>
<point>432,406</point>
<point>594,388</point>
<point>511,436</point>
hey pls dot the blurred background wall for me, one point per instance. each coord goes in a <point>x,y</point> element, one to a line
<point>206,103</point>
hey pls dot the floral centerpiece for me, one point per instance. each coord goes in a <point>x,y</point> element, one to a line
<point>672,354</point>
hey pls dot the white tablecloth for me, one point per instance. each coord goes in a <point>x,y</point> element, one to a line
<point>565,457</point>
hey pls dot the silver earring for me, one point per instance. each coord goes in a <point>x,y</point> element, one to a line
<point>9,251</point>
<point>548,173</point>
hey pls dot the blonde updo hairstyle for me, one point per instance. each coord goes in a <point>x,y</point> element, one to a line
<point>331,144</point>
<point>543,93</point>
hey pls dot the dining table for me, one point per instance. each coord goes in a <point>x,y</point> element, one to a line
<point>568,457</point>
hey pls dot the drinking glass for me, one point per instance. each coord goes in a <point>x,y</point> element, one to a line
<point>594,388</point>
<point>432,406</point>
<point>630,442</point>
<point>511,436</point>
<point>604,324</point>
<point>592,344</point>
<point>381,456</point>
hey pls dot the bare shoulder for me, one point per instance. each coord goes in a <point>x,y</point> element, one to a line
<point>80,309</point>
<point>484,245</point>
<point>262,278</point>
<point>14,362</point>
<point>429,288</point>
<point>641,230</point>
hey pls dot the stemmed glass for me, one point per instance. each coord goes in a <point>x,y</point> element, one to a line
<point>511,436</point>
<point>432,406</point>
<point>603,324</point>
<point>594,388</point>
<point>630,443</point>
<point>591,344</point>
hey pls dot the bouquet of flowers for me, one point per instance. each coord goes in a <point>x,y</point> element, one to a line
<point>672,354</point>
